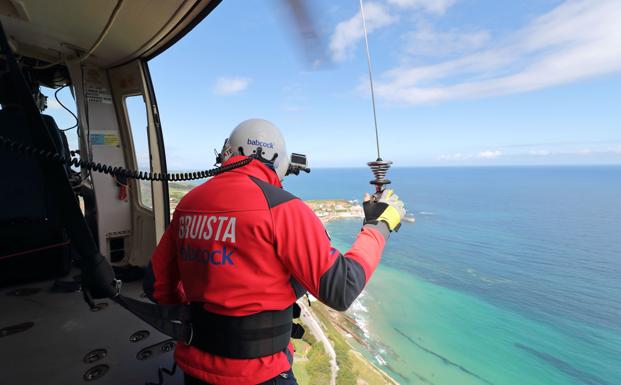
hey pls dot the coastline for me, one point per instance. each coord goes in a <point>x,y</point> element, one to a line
<point>458,315</point>
<point>328,210</point>
<point>339,327</point>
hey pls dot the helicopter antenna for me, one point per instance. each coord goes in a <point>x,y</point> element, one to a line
<point>379,167</point>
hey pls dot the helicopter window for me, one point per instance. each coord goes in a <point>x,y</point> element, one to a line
<point>61,106</point>
<point>137,121</point>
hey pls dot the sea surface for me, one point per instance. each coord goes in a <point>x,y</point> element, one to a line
<point>510,275</point>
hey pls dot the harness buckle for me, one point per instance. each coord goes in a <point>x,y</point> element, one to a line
<point>117,288</point>
<point>187,330</point>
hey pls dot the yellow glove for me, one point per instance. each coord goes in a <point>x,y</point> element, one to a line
<point>386,208</point>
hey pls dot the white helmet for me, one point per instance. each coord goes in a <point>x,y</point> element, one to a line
<point>254,134</point>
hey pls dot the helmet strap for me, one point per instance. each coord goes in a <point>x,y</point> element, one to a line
<point>258,155</point>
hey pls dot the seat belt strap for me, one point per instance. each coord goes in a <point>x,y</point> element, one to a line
<point>172,320</point>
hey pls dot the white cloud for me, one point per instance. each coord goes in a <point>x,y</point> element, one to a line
<point>459,157</point>
<point>454,157</point>
<point>231,85</point>
<point>53,104</point>
<point>451,157</point>
<point>426,41</point>
<point>539,152</point>
<point>605,153</point>
<point>489,154</point>
<point>431,6</point>
<point>576,40</point>
<point>347,33</point>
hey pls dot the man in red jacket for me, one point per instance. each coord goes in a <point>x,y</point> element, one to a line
<point>242,250</point>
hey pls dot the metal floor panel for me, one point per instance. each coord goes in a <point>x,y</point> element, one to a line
<point>65,330</point>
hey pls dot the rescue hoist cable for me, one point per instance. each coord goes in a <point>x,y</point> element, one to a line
<point>370,67</point>
<point>379,167</point>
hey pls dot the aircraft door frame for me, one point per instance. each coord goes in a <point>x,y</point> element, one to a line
<point>161,202</point>
<point>148,224</point>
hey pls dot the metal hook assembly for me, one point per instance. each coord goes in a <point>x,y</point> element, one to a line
<point>379,168</point>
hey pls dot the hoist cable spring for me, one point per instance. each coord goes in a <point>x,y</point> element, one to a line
<point>115,171</point>
<point>379,168</point>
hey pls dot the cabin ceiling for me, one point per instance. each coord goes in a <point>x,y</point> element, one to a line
<point>50,30</point>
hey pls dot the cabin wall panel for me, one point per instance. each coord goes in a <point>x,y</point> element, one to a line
<point>102,140</point>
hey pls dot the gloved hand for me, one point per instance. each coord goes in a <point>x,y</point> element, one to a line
<point>387,208</point>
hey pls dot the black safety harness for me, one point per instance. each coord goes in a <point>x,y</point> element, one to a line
<point>252,336</point>
<point>257,335</point>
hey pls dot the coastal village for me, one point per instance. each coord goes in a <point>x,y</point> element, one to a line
<point>326,209</point>
<point>329,210</point>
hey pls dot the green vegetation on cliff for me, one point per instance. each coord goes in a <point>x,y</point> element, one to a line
<point>311,364</point>
<point>354,368</point>
<point>318,367</point>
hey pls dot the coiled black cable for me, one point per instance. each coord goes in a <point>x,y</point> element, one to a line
<point>67,109</point>
<point>71,160</point>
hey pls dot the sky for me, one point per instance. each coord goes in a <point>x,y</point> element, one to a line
<point>458,82</point>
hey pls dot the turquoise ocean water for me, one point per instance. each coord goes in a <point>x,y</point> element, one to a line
<point>511,275</point>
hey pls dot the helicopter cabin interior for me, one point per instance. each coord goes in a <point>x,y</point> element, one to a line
<point>99,50</point>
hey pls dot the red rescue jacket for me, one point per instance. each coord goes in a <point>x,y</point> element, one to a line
<point>241,244</point>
